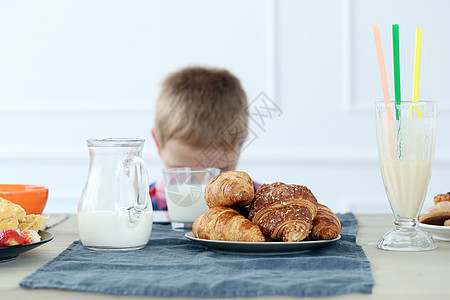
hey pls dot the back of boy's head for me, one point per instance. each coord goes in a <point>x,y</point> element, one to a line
<point>202,107</point>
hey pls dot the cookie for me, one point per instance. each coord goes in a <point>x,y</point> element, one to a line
<point>437,214</point>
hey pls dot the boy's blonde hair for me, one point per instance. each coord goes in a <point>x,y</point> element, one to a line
<point>202,107</point>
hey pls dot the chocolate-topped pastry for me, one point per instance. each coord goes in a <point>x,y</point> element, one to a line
<point>284,212</point>
<point>441,198</point>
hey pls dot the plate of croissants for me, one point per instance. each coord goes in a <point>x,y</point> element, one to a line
<point>278,218</point>
<point>436,220</point>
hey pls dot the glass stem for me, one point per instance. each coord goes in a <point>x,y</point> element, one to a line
<point>405,223</point>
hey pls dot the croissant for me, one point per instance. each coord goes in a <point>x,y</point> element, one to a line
<point>284,212</point>
<point>225,224</point>
<point>326,225</point>
<point>229,188</point>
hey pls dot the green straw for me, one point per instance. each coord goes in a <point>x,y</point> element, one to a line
<point>396,48</point>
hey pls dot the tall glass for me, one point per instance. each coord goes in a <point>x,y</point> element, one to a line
<point>406,135</point>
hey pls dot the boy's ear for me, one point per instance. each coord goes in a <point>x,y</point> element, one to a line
<point>156,141</point>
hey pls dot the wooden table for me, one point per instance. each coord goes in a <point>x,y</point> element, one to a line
<point>416,275</point>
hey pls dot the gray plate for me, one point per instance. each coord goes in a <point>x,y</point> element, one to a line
<point>9,253</point>
<point>261,248</point>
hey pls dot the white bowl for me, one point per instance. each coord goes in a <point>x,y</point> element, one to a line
<point>439,232</point>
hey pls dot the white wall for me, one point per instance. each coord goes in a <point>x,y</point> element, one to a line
<point>72,70</point>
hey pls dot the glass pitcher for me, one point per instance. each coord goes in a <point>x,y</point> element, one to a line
<point>114,211</point>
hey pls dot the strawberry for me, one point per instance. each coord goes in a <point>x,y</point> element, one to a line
<point>30,236</point>
<point>10,237</point>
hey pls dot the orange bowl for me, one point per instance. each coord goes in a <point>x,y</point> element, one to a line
<point>32,198</point>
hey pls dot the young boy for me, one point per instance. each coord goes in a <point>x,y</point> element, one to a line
<point>201,121</point>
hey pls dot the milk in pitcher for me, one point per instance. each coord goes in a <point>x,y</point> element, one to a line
<point>111,229</point>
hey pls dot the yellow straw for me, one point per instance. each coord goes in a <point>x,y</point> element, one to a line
<point>415,94</point>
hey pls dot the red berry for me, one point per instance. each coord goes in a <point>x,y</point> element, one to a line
<point>10,237</point>
<point>30,236</point>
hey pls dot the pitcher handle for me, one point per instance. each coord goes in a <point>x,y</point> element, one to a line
<point>136,165</point>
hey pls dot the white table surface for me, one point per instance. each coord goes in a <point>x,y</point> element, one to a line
<point>407,275</point>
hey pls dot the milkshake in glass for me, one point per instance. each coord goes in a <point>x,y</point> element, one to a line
<point>406,142</point>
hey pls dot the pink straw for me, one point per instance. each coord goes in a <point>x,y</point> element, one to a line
<point>384,82</point>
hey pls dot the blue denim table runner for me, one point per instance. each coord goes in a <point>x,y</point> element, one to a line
<point>173,266</point>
